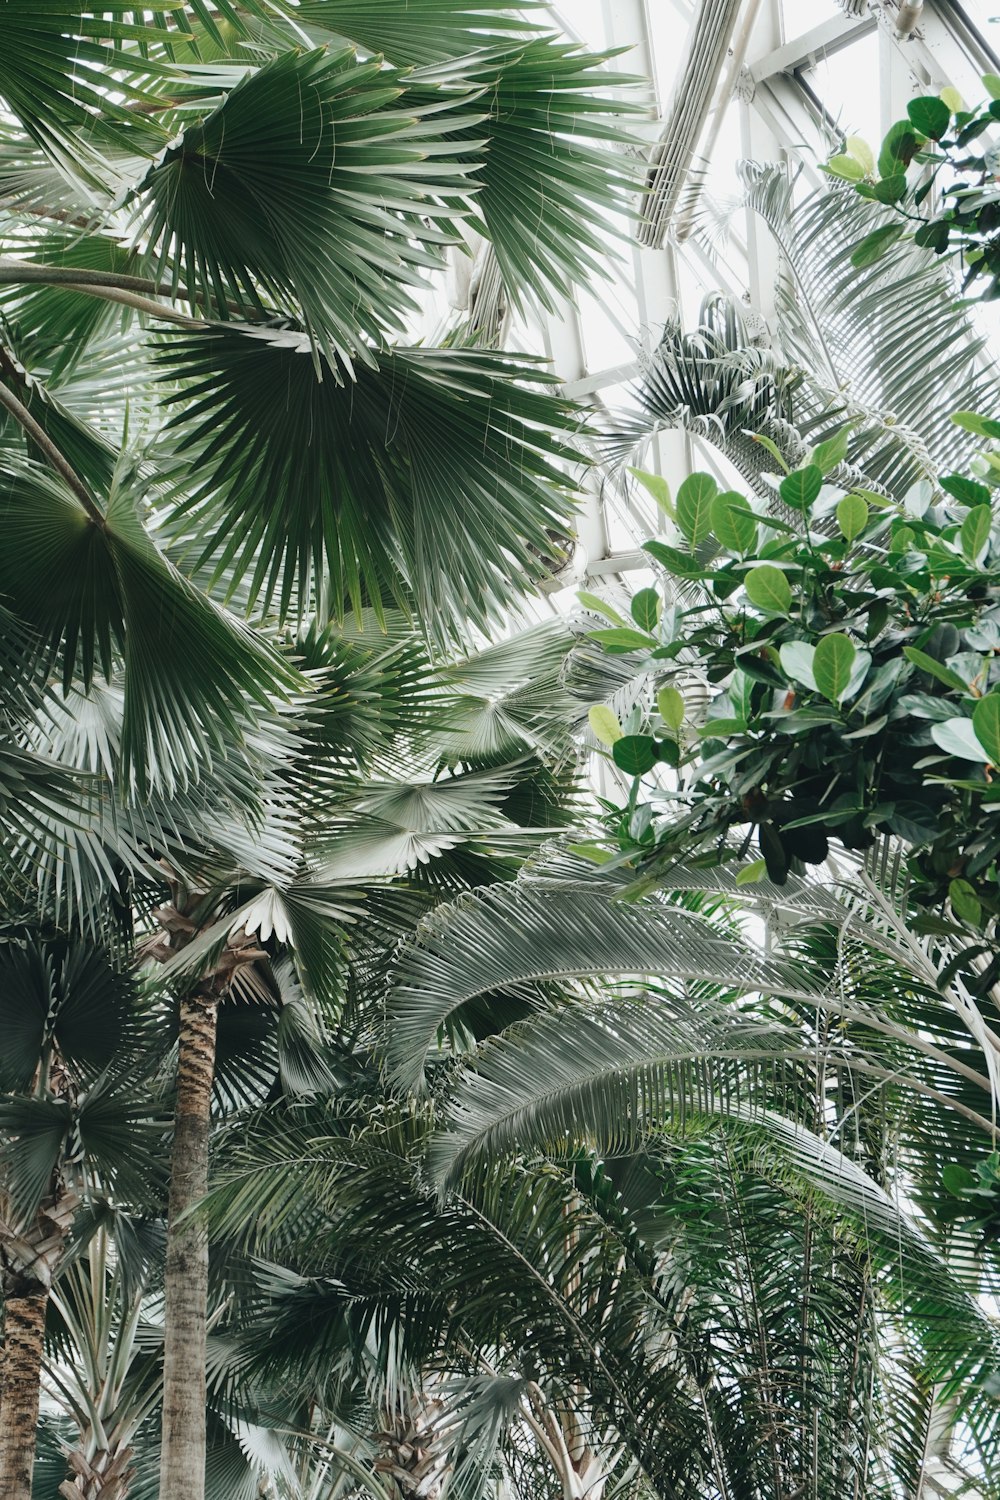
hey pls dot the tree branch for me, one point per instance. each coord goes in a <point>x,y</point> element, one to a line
<point>24,272</point>
<point>55,458</point>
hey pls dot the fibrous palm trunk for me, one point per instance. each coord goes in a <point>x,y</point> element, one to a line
<point>30,1257</point>
<point>182,1464</point>
<point>106,1476</point>
<point>20,1376</point>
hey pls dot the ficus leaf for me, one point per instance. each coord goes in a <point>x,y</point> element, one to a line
<point>832,665</point>
<point>769,589</point>
<point>852,516</point>
<point>771,447</point>
<point>827,455</point>
<point>670,704</point>
<point>657,486</point>
<point>775,858</point>
<point>797,661</point>
<point>694,507</point>
<point>929,115</point>
<point>680,564</point>
<point>733,522</point>
<point>965,903</point>
<point>975,531</point>
<point>958,737</point>
<point>971,421</point>
<point>891,189</point>
<point>622,640</point>
<point>863,154</point>
<point>604,724</point>
<point>847,167</point>
<point>802,486</point>
<point>871,249</point>
<point>635,754</point>
<point>898,148</point>
<point>646,607</point>
<point>986,723</point>
<point>935,669</point>
<point>601,607</point>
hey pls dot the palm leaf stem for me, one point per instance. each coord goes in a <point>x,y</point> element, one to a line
<point>139,303</point>
<point>25,272</point>
<point>53,455</point>
<point>366,1480</point>
<point>565,1314</point>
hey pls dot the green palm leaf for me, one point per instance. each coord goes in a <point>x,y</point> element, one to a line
<point>54,69</point>
<point>434,474</point>
<point>422,31</point>
<point>92,583</point>
<point>519,937</point>
<point>555,173</point>
<point>307,187</point>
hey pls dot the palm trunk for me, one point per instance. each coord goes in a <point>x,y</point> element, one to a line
<point>182,1463</point>
<point>20,1377</point>
<point>106,1476</point>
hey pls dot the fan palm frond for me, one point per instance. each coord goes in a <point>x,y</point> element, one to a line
<point>437,469</point>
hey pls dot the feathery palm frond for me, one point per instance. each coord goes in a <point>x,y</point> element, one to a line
<point>517,937</point>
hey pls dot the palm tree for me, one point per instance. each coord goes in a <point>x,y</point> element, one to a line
<point>245,207</point>
<point>76,1124</point>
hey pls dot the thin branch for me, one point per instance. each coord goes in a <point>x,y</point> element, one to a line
<point>109,284</point>
<point>139,303</point>
<point>57,461</point>
<point>23,272</point>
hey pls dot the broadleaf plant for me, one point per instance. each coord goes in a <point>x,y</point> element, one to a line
<point>854,689</point>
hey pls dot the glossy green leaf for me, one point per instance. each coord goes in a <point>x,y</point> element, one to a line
<point>833,664</point>
<point>852,516</point>
<point>694,507</point>
<point>601,607</point>
<point>635,754</point>
<point>975,531</point>
<point>656,486</point>
<point>935,669</point>
<point>929,115</point>
<point>604,724</point>
<point>863,154</point>
<point>752,873</point>
<point>770,446</point>
<point>847,167</point>
<point>898,148</point>
<point>986,723</point>
<point>971,421</point>
<point>646,607</point>
<point>769,589</point>
<point>680,564</point>
<point>891,189</point>
<point>958,737</point>
<point>964,901</point>
<point>734,523</point>
<point>833,451</point>
<point>670,704</point>
<point>797,659</point>
<point>802,486</point>
<point>872,248</point>
<point>622,640</point>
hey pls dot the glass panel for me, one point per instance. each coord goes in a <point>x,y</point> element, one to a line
<point>800,16</point>
<point>986,15</point>
<point>847,83</point>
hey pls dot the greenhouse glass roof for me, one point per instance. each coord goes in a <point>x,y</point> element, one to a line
<point>734,80</point>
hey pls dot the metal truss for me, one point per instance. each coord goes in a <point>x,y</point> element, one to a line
<point>708,59</point>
